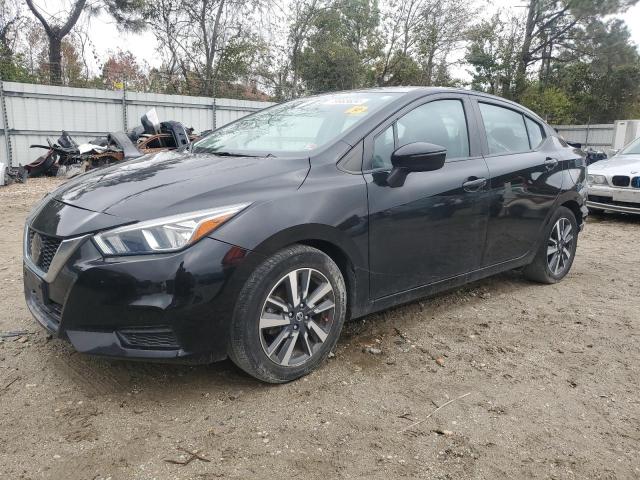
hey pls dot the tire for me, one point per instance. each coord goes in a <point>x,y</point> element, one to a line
<point>549,266</point>
<point>42,165</point>
<point>275,341</point>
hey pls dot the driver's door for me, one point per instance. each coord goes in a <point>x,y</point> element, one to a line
<point>434,226</point>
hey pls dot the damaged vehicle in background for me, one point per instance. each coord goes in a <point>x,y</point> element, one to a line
<point>261,239</point>
<point>614,184</point>
<point>66,158</point>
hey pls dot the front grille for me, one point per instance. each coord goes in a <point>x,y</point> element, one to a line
<point>635,182</point>
<point>620,181</point>
<point>150,338</point>
<point>41,249</point>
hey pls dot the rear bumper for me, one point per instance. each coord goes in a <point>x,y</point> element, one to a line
<point>157,307</point>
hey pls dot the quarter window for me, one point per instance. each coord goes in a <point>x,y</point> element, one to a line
<point>505,129</point>
<point>383,147</point>
<point>535,132</point>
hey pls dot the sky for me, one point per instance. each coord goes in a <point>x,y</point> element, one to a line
<point>106,38</point>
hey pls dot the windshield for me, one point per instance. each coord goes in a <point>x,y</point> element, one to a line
<point>632,149</point>
<point>298,125</point>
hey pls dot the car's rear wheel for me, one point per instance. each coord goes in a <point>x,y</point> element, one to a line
<point>557,250</point>
<point>289,315</point>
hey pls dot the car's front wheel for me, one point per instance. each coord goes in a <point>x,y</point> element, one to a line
<point>289,315</point>
<point>557,249</point>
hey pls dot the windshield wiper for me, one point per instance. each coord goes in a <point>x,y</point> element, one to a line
<point>227,154</point>
<point>223,153</point>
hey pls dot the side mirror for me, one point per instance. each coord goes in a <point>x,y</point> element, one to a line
<point>415,157</point>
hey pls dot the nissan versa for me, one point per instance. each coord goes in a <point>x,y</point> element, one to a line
<point>259,240</point>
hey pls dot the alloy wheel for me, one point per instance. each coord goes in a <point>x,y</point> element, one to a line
<point>297,317</point>
<point>560,246</point>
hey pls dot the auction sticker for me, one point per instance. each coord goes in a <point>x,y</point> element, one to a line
<point>356,110</point>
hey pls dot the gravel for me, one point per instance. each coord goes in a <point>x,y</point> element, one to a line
<point>552,372</point>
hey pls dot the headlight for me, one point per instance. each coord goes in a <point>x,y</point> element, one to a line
<point>167,234</point>
<point>597,179</point>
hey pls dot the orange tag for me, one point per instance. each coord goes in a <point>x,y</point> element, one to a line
<point>356,110</point>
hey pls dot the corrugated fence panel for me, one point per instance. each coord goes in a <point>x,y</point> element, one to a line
<point>228,110</point>
<point>38,112</point>
<point>196,112</point>
<point>598,136</point>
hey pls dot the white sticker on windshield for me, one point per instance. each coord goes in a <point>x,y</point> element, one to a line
<point>346,101</point>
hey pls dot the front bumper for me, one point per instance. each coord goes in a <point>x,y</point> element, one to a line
<point>624,200</point>
<point>170,306</point>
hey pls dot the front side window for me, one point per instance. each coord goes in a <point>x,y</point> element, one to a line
<point>441,122</point>
<point>505,129</point>
<point>296,126</point>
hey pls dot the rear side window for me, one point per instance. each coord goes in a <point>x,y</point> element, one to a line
<point>536,135</point>
<point>505,129</point>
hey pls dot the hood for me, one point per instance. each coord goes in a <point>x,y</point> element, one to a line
<point>169,183</point>
<point>617,165</point>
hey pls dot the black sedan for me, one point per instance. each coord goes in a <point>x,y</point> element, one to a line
<point>258,241</point>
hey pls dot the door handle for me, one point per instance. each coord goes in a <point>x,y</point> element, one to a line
<point>550,163</point>
<point>473,184</point>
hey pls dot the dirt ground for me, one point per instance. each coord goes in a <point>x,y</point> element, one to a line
<point>551,373</point>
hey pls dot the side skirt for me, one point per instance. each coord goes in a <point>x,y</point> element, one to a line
<point>447,284</point>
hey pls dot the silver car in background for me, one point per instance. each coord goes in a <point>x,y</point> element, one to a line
<point>614,184</point>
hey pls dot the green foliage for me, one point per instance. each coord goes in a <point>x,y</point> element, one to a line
<point>602,76</point>
<point>342,43</point>
<point>404,70</point>
<point>12,67</point>
<point>551,103</point>
<point>492,53</point>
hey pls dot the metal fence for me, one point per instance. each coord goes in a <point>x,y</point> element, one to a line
<point>599,136</point>
<point>31,113</point>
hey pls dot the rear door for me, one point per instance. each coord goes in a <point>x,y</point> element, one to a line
<point>526,179</point>
<point>433,227</point>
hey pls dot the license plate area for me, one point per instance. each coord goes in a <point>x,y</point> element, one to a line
<point>36,292</point>
<point>626,196</point>
<point>35,287</point>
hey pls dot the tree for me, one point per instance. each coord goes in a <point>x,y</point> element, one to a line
<point>421,36</point>
<point>552,104</point>
<point>341,46</point>
<point>55,33</point>
<point>492,52</point>
<point>601,76</point>
<point>127,13</point>
<point>550,24</point>
<point>11,22</point>
<point>194,38</point>
<point>122,68</point>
